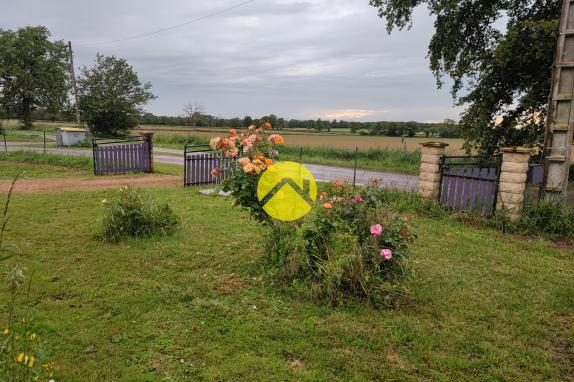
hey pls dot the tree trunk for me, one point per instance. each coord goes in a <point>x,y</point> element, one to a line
<point>26,114</point>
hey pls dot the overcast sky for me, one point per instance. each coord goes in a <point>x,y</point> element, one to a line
<point>293,58</point>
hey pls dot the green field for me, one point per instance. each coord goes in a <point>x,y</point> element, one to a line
<point>335,139</point>
<point>200,305</point>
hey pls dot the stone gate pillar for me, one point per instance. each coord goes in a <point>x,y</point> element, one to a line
<point>430,173</point>
<point>512,185</point>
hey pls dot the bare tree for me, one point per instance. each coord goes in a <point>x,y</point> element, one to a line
<point>193,112</point>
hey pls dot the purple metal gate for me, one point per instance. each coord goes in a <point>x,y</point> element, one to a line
<point>470,183</point>
<point>120,156</point>
<point>199,162</point>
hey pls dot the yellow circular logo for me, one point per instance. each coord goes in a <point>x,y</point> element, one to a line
<point>286,191</point>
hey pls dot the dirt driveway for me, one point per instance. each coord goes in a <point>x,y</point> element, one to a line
<point>81,184</point>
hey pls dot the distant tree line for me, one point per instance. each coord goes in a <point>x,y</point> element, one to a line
<point>446,129</point>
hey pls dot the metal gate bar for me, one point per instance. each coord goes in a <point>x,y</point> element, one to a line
<point>469,183</point>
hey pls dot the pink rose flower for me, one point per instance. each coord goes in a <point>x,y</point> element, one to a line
<point>357,200</point>
<point>376,230</point>
<point>386,254</point>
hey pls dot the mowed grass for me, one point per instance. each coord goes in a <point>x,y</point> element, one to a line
<point>199,305</point>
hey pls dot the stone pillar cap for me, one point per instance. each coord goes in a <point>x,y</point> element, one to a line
<point>517,150</point>
<point>434,144</point>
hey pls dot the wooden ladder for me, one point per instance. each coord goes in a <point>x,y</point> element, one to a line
<point>560,121</point>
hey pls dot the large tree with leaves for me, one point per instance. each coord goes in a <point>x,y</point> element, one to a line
<point>112,96</point>
<point>33,72</point>
<point>499,55</point>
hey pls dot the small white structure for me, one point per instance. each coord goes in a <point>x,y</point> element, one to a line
<point>68,136</point>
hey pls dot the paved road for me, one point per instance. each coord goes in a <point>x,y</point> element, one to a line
<point>321,172</point>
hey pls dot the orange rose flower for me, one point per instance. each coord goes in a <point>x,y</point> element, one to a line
<point>258,163</point>
<point>249,168</point>
<point>267,125</point>
<point>232,132</point>
<point>232,152</point>
<point>243,161</point>
<point>268,162</point>
<point>214,172</point>
<point>338,184</point>
<point>215,143</point>
<point>276,139</point>
<point>327,206</point>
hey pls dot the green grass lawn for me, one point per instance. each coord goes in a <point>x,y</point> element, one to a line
<point>9,169</point>
<point>38,165</point>
<point>199,305</point>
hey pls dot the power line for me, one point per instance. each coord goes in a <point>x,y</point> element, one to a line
<point>169,28</point>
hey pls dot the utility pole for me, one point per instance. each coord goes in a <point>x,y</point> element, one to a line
<point>73,77</point>
<point>560,119</point>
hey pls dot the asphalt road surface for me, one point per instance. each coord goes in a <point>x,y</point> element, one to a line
<point>321,172</point>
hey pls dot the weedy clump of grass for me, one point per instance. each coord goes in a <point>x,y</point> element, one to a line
<point>544,218</point>
<point>48,159</point>
<point>500,220</point>
<point>411,202</point>
<point>548,218</point>
<point>132,215</point>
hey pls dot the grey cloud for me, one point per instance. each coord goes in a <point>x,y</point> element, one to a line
<point>299,59</point>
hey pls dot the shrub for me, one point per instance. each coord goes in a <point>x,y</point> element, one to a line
<point>133,216</point>
<point>86,143</point>
<point>349,246</point>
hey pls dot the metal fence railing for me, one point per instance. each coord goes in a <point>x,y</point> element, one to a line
<point>122,155</point>
<point>199,161</point>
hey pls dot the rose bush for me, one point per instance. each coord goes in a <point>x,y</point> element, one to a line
<point>349,246</point>
<point>254,150</point>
